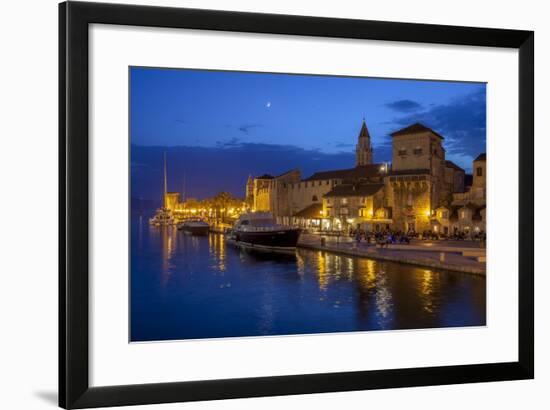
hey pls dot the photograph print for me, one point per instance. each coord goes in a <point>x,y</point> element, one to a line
<point>274,204</point>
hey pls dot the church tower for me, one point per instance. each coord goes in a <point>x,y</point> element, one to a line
<point>363,150</point>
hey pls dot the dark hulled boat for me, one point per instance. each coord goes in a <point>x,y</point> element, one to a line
<point>194,227</point>
<point>259,230</point>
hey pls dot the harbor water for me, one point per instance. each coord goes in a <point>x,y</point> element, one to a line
<point>194,287</point>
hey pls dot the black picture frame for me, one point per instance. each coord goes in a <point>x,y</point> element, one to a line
<point>74,387</point>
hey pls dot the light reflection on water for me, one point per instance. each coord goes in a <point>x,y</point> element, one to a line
<point>187,287</point>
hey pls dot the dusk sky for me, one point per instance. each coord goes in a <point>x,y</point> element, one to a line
<point>255,123</point>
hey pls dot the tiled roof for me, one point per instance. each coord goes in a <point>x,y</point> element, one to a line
<point>410,172</point>
<point>310,212</point>
<point>354,190</point>
<point>414,129</point>
<point>362,171</point>
<point>287,172</point>
<point>451,164</point>
<point>265,176</point>
<point>481,157</point>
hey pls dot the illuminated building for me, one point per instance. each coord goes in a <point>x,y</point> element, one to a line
<point>467,211</point>
<point>416,192</point>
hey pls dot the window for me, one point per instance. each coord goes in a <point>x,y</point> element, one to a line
<point>479,171</point>
<point>417,151</point>
<point>344,201</point>
<point>314,199</point>
<point>327,182</point>
<point>320,182</point>
<point>402,151</point>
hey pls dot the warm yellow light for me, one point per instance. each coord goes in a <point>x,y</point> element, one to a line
<point>428,212</point>
<point>193,211</point>
<point>320,212</point>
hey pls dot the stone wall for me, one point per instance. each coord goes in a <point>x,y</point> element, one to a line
<point>171,200</point>
<point>411,151</point>
<point>306,193</point>
<point>412,203</point>
<point>262,194</point>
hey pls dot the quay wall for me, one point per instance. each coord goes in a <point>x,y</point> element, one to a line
<point>373,253</point>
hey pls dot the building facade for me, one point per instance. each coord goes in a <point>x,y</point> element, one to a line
<point>467,211</point>
<point>413,193</point>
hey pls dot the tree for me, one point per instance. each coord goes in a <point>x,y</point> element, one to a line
<point>221,202</point>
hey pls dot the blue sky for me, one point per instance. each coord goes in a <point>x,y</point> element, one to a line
<point>315,117</point>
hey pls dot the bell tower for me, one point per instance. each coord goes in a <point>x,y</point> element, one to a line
<point>363,150</point>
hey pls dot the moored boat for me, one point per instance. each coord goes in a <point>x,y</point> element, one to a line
<point>259,230</point>
<point>163,217</point>
<point>194,227</point>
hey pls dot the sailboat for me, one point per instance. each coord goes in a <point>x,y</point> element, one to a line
<point>163,216</point>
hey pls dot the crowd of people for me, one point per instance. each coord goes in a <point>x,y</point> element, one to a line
<point>386,237</point>
<point>382,238</point>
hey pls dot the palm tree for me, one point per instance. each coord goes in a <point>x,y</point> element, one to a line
<point>221,201</point>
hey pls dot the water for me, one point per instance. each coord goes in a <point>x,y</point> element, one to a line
<point>186,287</point>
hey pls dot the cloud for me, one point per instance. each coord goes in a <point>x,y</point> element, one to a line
<point>342,145</point>
<point>233,142</point>
<point>404,106</point>
<point>462,160</point>
<point>245,128</point>
<point>462,122</point>
<point>209,170</point>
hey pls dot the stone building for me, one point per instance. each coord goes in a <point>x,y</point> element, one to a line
<point>357,205</point>
<point>416,192</point>
<point>249,196</point>
<point>271,193</point>
<point>171,200</point>
<point>467,211</point>
<point>421,178</point>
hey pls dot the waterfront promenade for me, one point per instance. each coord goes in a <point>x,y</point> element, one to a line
<point>463,256</point>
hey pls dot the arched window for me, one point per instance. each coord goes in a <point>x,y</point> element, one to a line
<point>314,199</point>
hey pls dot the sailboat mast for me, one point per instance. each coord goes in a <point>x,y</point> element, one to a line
<point>165,181</point>
<point>183,189</point>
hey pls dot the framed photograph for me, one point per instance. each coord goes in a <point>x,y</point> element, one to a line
<point>256,204</point>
